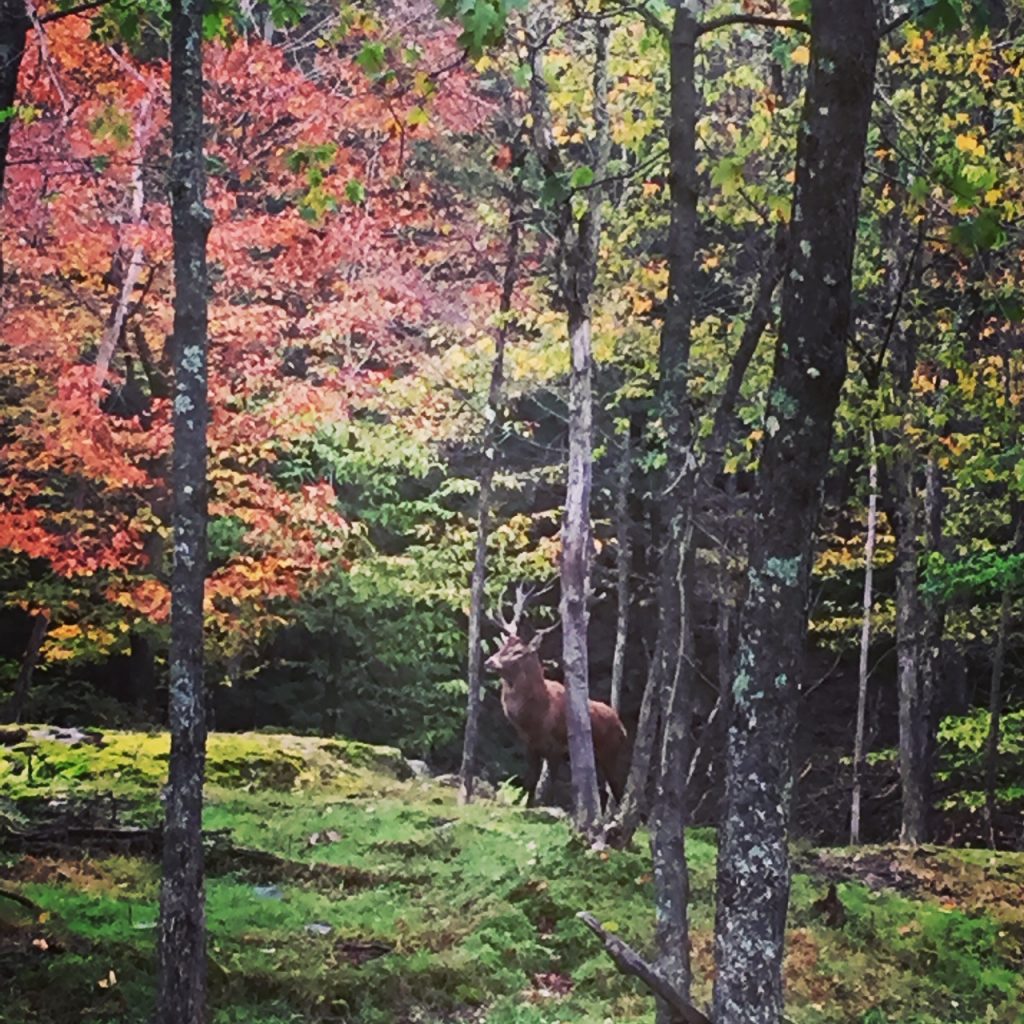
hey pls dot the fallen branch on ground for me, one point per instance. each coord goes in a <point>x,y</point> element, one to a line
<point>23,901</point>
<point>630,962</point>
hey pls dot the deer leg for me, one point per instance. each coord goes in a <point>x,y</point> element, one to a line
<point>534,764</point>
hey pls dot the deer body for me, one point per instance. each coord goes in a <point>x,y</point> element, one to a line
<point>536,708</point>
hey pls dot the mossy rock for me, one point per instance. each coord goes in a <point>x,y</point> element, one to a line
<point>135,763</point>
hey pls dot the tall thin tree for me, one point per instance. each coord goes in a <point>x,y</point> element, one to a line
<point>492,427</point>
<point>865,640</point>
<point>181,954</point>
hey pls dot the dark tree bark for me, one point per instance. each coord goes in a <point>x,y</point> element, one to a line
<point>14,26</point>
<point>634,804</point>
<point>181,951</point>
<point>16,706</point>
<point>492,426</point>
<point>995,688</point>
<point>916,622</point>
<point>810,365</point>
<point>672,679</point>
<point>623,566</point>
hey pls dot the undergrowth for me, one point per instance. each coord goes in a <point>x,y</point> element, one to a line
<point>446,914</point>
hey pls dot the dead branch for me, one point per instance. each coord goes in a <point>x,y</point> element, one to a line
<point>630,962</point>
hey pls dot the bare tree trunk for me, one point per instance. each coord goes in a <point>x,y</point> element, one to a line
<point>623,568</point>
<point>575,568</point>
<point>181,949</point>
<point>132,262</point>
<point>467,773</point>
<point>865,640</point>
<point>577,273</point>
<point>673,677</point>
<point>634,799</point>
<point>14,26</point>
<point>909,652</point>
<point>16,707</point>
<point>810,365</point>
<point>995,689</point>
<point>995,709</point>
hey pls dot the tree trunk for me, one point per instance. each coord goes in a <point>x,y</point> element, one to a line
<point>467,773</point>
<point>577,279</point>
<point>995,709</point>
<point>181,950</point>
<point>673,677</point>
<point>810,365</point>
<point>623,568</point>
<point>995,688</point>
<point>16,707</point>
<point>575,571</point>
<point>865,641</point>
<point>634,800</point>
<point>909,652</point>
<point>14,26</point>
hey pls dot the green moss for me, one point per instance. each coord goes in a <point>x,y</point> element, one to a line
<point>466,907</point>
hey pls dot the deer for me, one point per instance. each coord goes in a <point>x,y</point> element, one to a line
<point>536,708</point>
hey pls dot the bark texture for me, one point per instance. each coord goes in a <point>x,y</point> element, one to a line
<point>809,368</point>
<point>672,679</point>
<point>579,243</point>
<point>14,26</point>
<point>623,568</point>
<point>492,426</point>
<point>181,952</point>
<point>865,641</point>
<point>16,708</point>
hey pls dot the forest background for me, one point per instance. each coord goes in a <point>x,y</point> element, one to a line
<point>370,183</point>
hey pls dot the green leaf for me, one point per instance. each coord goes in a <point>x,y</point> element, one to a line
<point>980,233</point>
<point>581,177</point>
<point>554,190</point>
<point>943,16</point>
<point>372,58</point>
<point>728,174</point>
<point>355,192</point>
<point>417,115</point>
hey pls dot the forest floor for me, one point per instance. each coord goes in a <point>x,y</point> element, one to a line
<point>342,890</point>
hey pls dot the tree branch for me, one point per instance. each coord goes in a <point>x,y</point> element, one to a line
<point>752,19</point>
<point>84,8</point>
<point>630,962</point>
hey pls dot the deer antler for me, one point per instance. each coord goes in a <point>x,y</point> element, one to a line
<point>524,593</point>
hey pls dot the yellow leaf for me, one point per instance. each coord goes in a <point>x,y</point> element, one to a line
<point>801,55</point>
<point>967,144</point>
<point>651,188</point>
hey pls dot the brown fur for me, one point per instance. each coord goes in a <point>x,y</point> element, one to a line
<point>536,708</point>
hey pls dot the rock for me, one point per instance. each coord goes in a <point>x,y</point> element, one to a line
<point>267,892</point>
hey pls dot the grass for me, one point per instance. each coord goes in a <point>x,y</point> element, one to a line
<point>446,914</point>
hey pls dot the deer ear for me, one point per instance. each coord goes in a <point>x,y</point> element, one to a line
<point>534,645</point>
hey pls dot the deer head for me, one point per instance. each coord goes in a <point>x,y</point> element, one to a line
<point>512,652</point>
<point>514,649</point>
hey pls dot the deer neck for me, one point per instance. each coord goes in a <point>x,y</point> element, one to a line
<point>526,681</point>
